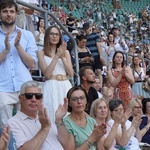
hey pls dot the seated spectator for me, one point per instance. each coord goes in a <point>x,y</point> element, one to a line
<point>97,86</point>
<point>100,111</point>
<point>107,93</point>
<point>116,106</point>
<point>145,124</point>
<point>136,106</point>
<point>87,77</point>
<point>31,126</point>
<point>84,132</point>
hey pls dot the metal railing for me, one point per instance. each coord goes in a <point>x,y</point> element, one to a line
<point>46,13</point>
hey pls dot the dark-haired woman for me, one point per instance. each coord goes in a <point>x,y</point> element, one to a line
<point>39,33</point>
<point>84,54</point>
<point>55,64</point>
<point>85,133</point>
<point>111,48</point>
<point>145,124</point>
<point>121,78</point>
<point>139,73</point>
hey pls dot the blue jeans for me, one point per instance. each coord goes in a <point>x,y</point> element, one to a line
<point>11,142</point>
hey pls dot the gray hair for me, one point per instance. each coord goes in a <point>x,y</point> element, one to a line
<point>30,84</point>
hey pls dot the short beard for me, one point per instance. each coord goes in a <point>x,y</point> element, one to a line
<point>7,23</point>
<point>91,82</point>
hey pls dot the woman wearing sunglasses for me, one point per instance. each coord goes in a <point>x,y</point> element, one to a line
<point>55,64</point>
<point>84,132</point>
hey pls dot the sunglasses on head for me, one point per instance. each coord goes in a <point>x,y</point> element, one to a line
<point>30,95</point>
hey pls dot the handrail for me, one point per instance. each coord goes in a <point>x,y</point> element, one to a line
<point>46,13</point>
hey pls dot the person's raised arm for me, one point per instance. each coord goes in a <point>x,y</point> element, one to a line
<point>5,138</point>
<point>99,50</point>
<point>66,59</point>
<point>128,74</point>
<point>46,70</point>
<point>25,57</point>
<point>135,124</point>
<point>123,138</point>
<point>63,134</point>
<point>97,134</point>
<point>4,53</point>
<point>114,81</point>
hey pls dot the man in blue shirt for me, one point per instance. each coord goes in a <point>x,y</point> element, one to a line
<point>17,56</point>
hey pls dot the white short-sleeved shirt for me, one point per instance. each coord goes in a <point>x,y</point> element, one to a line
<point>25,128</point>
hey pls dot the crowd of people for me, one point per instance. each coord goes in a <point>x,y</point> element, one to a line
<point>109,110</point>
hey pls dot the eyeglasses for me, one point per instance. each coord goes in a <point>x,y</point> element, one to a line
<point>138,107</point>
<point>82,98</point>
<point>28,96</point>
<point>52,34</point>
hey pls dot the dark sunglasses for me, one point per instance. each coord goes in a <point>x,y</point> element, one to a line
<point>30,95</point>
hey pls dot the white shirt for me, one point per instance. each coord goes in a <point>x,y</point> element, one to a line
<point>133,142</point>
<point>121,47</point>
<point>25,128</point>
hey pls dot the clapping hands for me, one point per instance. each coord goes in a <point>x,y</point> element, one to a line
<point>98,132</point>
<point>7,44</point>
<point>5,138</point>
<point>43,118</point>
<point>17,39</point>
<point>16,42</point>
<point>61,50</point>
<point>121,117</point>
<point>136,121</point>
<point>61,111</point>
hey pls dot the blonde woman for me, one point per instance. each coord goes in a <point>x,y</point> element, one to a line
<point>144,125</point>
<point>100,111</point>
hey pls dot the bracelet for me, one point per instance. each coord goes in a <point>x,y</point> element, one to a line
<point>146,127</point>
<point>59,124</point>
<point>88,143</point>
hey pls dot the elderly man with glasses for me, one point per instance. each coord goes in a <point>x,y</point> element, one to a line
<point>31,126</point>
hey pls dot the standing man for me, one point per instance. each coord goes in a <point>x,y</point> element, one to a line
<point>87,77</point>
<point>70,21</point>
<point>17,56</point>
<point>93,43</point>
<point>119,41</point>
